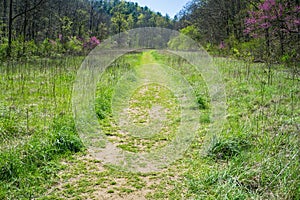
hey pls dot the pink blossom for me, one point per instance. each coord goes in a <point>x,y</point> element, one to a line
<point>251,13</point>
<point>94,40</point>
<point>297,22</point>
<point>222,45</point>
<point>280,11</point>
<point>265,25</point>
<point>272,15</point>
<point>92,43</point>
<point>250,21</point>
<point>264,17</point>
<point>272,2</point>
<point>267,5</point>
<point>255,35</point>
<point>247,30</point>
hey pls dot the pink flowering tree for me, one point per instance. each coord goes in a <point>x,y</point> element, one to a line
<point>91,43</point>
<point>275,21</point>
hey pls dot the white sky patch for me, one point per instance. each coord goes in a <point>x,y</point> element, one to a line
<point>170,7</point>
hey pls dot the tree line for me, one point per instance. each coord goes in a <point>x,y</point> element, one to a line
<point>259,30</point>
<point>30,27</point>
<point>266,30</point>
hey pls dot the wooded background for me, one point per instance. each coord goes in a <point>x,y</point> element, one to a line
<point>259,30</point>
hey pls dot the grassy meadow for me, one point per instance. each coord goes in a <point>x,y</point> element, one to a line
<point>256,156</point>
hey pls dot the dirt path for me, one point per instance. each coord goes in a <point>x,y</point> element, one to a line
<point>85,177</point>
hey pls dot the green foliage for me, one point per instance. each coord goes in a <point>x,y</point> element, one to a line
<point>202,103</point>
<point>212,49</point>
<point>46,48</point>
<point>265,29</point>
<point>73,21</point>
<point>74,46</point>
<point>3,49</point>
<point>30,49</point>
<point>66,26</point>
<point>20,49</point>
<point>119,18</point>
<point>251,50</point>
<point>192,32</point>
<point>181,42</point>
<point>105,88</point>
<point>25,167</point>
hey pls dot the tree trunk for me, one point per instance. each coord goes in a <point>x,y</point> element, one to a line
<point>4,17</point>
<point>281,35</point>
<point>91,17</point>
<point>10,19</point>
<point>267,37</point>
<point>239,21</point>
<point>25,26</point>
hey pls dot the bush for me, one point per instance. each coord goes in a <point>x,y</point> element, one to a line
<point>226,148</point>
<point>91,43</point>
<point>45,47</point>
<point>73,46</point>
<point>30,49</point>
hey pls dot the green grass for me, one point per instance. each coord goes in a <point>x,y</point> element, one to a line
<point>36,124</point>
<point>256,156</point>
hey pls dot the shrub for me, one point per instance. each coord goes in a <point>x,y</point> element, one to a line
<point>226,148</point>
<point>91,43</point>
<point>46,47</point>
<point>73,46</point>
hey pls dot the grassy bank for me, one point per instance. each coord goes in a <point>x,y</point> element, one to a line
<point>256,156</point>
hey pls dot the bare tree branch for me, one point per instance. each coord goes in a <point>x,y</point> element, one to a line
<point>29,10</point>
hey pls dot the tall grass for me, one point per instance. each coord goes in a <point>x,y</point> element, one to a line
<point>36,124</point>
<point>257,154</point>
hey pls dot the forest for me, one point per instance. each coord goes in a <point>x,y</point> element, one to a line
<point>230,27</point>
<point>47,27</point>
<point>203,105</point>
<point>264,30</point>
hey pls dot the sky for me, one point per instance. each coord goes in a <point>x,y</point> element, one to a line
<point>170,7</point>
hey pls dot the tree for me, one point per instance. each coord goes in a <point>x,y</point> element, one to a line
<point>276,21</point>
<point>37,22</point>
<point>11,19</point>
<point>119,18</point>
